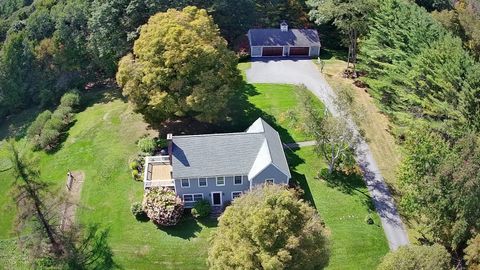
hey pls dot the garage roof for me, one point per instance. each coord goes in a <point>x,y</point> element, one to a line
<point>277,37</point>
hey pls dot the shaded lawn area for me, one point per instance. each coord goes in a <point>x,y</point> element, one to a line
<point>343,204</point>
<point>275,103</point>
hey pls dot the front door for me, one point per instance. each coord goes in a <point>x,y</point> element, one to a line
<point>216,198</point>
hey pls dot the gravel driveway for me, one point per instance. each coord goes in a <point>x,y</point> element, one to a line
<point>304,71</point>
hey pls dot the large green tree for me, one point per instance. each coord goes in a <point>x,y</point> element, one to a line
<point>441,186</point>
<point>349,16</point>
<point>180,66</point>
<point>415,257</point>
<point>269,228</point>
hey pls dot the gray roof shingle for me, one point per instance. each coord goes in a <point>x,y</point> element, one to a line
<point>226,154</point>
<point>292,37</point>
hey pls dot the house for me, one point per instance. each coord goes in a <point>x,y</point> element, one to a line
<point>284,42</point>
<point>219,167</point>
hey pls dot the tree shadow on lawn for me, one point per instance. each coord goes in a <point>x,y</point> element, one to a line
<point>299,180</point>
<point>189,227</point>
<point>348,183</point>
<point>243,114</point>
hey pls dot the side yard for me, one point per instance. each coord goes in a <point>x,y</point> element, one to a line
<point>376,126</point>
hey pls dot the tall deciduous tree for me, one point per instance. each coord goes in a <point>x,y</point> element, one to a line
<point>417,257</point>
<point>335,136</point>
<point>269,228</point>
<point>349,16</point>
<point>441,186</point>
<point>180,66</point>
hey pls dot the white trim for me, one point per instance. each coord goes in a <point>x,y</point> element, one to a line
<point>221,198</point>
<point>181,182</point>
<point>216,181</point>
<point>241,192</point>
<point>241,180</point>
<point>193,197</point>
<point>206,181</point>
<point>268,179</point>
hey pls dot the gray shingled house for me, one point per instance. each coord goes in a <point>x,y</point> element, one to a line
<point>284,42</point>
<point>219,167</point>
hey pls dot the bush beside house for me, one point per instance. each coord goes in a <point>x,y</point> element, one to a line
<point>162,206</point>
<point>201,209</point>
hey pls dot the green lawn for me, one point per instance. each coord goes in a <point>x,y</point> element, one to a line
<point>343,205</point>
<point>273,102</point>
<point>103,139</point>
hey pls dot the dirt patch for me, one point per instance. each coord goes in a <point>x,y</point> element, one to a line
<point>73,199</point>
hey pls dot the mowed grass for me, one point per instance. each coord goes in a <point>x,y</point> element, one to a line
<point>275,102</point>
<point>102,141</point>
<point>343,206</point>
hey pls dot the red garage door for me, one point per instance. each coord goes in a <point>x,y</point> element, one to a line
<point>299,51</point>
<point>272,51</point>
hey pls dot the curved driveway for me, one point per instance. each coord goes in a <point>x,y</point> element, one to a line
<point>304,71</point>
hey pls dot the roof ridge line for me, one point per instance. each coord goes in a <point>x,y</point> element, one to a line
<point>216,134</point>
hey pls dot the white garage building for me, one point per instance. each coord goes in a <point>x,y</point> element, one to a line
<point>284,42</point>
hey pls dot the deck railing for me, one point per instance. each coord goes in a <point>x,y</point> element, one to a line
<point>158,159</point>
<point>159,183</point>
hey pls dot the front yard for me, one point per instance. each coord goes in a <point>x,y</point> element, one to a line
<point>101,143</point>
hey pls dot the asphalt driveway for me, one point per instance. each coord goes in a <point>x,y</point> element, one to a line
<point>304,71</point>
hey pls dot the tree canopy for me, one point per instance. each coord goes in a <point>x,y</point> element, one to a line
<point>269,228</point>
<point>180,66</point>
<point>441,186</point>
<point>417,257</point>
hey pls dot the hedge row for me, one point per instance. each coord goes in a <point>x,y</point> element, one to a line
<point>45,132</point>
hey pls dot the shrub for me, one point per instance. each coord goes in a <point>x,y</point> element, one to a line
<point>55,123</point>
<point>70,99</point>
<point>137,210</point>
<point>162,143</point>
<point>63,113</point>
<point>201,209</point>
<point>36,127</point>
<point>147,145</point>
<point>48,139</point>
<point>135,174</point>
<point>162,206</point>
<point>133,165</point>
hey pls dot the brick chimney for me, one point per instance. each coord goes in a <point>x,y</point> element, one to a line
<point>170,146</point>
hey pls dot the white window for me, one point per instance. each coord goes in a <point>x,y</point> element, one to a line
<point>197,197</point>
<point>192,197</point>
<point>236,194</point>
<point>269,181</point>
<point>220,181</point>
<point>185,183</point>
<point>238,180</point>
<point>202,182</point>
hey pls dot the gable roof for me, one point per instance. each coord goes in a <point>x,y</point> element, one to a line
<point>242,153</point>
<point>277,37</point>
